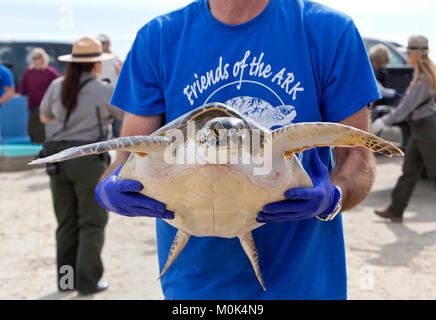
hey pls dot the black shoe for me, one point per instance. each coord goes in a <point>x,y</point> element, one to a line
<point>101,286</point>
<point>388,215</point>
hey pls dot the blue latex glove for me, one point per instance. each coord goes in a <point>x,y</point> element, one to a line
<point>121,196</point>
<point>305,203</point>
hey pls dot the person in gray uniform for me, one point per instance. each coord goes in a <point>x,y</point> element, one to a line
<point>418,107</point>
<point>76,111</point>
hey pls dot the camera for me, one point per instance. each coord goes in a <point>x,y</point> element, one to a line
<point>51,168</point>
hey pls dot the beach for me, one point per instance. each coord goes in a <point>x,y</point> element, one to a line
<point>384,260</point>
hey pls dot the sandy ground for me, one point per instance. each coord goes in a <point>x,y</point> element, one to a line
<point>385,260</point>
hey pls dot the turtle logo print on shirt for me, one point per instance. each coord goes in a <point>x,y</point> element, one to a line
<point>263,112</point>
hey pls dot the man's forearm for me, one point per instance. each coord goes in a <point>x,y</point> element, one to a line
<point>354,174</point>
<point>134,125</point>
<point>6,96</point>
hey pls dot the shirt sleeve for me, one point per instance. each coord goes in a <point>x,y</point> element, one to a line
<point>22,88</point>
<point>54,73</point>
<point>138,88</point>
<point>349,83</point>
<point>386,93</point>
<point>114,111</point>
<point>418,95</point>
<point>6,77</point>
<point>46,104</point>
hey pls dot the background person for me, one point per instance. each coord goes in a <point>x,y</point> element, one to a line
<point>7,90</point>
<point>110,69</point>
<point>76,110</point>
<point>418,107</point>
<point>34,83</point>
<point>176,65</point>
<point>379,55</point>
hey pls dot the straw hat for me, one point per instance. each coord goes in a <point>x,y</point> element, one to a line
<point>86,49</point>
<point>417,43</point>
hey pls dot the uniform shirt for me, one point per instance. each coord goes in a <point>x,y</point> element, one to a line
<point>297,61</point>
<point>6,79</point>
<point>83,122</point>
<point>34,84</point>
<point>418,104</point>
<point>108,70</point>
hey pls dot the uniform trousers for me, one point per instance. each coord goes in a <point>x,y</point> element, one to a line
<point>35,128</point>
<point>81,220</point>
<point>420,154</point>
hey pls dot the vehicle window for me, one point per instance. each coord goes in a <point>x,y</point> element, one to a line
<point>5,54</point>
<point>28,53</point>
<point>56,51</point>
<point>396,58</point>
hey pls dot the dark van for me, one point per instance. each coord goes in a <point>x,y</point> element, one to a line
<point>16,55</point>
<point>397,74</point>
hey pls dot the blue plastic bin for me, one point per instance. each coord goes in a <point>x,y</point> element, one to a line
<point>13,122</point>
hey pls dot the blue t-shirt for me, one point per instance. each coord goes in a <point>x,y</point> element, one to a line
<point>6,79</point>
<point>297,61</point>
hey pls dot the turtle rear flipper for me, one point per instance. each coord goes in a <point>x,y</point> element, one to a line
<point>301,136</point>
<point>139,144</point>
<point>250,249</point>
<point>247,242</point>
<point>179,242</point>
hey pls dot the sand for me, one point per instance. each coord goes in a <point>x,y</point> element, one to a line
<point>384,260</point>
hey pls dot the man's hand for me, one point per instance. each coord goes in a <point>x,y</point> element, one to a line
<point>305,203</point>
<point>122,197</point>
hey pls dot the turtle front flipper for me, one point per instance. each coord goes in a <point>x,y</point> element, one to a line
<point>179,242</point>
<point>139,144</point>
<point>301,136</point>
<point>250,249</point>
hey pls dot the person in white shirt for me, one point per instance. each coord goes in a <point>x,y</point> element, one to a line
<point>110,69</point>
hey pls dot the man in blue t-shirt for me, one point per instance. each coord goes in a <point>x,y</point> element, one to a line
<point>278,62</point>
<point>6,85</point>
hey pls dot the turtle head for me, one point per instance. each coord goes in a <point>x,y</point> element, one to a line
<point>230,141</point>
<point>222,132</point>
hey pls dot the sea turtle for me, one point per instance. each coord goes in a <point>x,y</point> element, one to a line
<point>213,194</point>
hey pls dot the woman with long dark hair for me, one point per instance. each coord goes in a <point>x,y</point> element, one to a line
<point>76,111</point>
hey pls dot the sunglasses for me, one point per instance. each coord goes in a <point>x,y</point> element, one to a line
<point>36,58</point>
